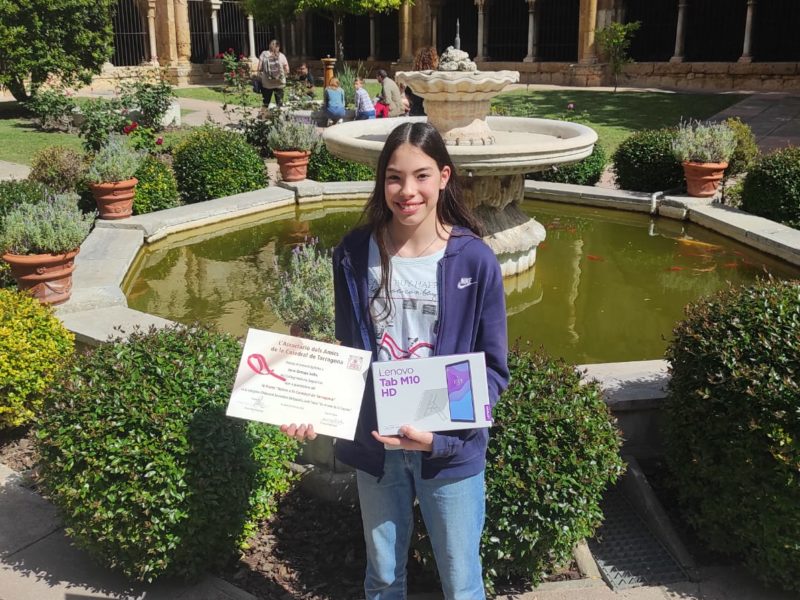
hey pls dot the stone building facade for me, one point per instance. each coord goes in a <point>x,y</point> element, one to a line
<point>689,44</point>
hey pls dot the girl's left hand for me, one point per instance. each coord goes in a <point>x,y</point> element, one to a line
<point>409,439</point>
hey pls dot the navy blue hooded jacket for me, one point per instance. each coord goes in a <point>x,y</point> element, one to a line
<point>472,318</point>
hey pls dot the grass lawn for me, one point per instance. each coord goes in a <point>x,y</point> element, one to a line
<point>616,116</point>
<point>20,139</point>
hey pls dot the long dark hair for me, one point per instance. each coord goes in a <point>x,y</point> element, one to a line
<point>450,209</point>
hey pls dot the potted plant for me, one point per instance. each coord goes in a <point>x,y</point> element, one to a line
<point>111,177</point>
<point>292,143</point>
<point>40,242</point>
<point>704,150</point>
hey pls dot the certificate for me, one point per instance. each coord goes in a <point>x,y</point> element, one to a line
<point>285,379</point>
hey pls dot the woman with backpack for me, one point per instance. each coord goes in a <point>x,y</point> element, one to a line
<point>273,68</point>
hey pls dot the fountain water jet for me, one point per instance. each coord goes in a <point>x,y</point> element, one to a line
<point>492,154</point>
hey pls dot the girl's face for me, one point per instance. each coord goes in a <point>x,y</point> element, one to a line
<point>412,186</point>
<point>357,84</point>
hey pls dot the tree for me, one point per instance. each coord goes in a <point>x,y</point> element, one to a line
<point>272,11</point>
<point>66,39</point>
<point>614,41</point>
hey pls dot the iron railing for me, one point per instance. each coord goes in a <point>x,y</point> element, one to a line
<point>775,31</point>
<point>507,23</point>
<point>233,28</point>
<point>356,37</point>
<point>715,30</point>
<point>558,30</point>
<point>655,38</point>
<point>467,15</point>
<point>131,40</point>
<point>200,30</point>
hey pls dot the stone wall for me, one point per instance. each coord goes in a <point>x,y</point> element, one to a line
<point>715,76</point>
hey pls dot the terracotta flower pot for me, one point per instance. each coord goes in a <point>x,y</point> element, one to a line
<point>47,276</point>
<point>293,164</point>
<point>702,179</point>
<point>114,199</point>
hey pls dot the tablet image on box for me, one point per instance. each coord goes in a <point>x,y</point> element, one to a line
<point>439,393</point>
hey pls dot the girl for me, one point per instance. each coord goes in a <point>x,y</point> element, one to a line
<point>273,68</point>
<point>417,280</point>
<point>364,107</point>
<point>333,101</point>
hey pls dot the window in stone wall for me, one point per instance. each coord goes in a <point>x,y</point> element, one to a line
<point>715,30</point>
<point>775,37</point>
<point>356,37</point>
<point>200,30</point>
<point>131,42</point>
<point>321,38</point>
<point>466,14</point>
<point>558,30</point>
<point>654,41</point>
<point>507,30</point>
<point>233,28</point>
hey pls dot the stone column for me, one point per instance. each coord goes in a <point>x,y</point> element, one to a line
<point>293,37</point>
<point>586,29</point>
<point>165,32</point>
<point>406,52</point>
<point>283,41</point>
<point>680,32</point>
<point>531,57</point>
<point>303,36</point>
<point>151,31</point>
<point>182,31</point>
<point>480,4</point>
<point>434,7</point>
<point>251,37</point>
<point>746,56</point>
<point>372,40</point>
<point>215,4</point>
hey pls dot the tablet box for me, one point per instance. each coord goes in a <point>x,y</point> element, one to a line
<point>439,393</point>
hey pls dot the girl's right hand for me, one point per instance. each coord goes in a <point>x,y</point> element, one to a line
<point>301,433</point>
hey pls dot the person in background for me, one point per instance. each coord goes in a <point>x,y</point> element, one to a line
<point>426,59</point>
<point>304,76</point>
<point>389,102</point>
<point>364,107</point>
<point>273,69</point>
<point>404,99</point>
<point>333,101</point>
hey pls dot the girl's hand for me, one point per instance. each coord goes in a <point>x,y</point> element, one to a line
<point>409,439</point>
<point>301,434</point>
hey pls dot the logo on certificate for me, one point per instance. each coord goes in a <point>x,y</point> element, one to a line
<point>354,363</point>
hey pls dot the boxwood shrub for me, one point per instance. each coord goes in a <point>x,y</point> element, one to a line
<point>553,450</point>
<point>746,153</point>
<point>33,343</point>
<point>324,166</point>
<point>212,163</point>
<point>732,427</point>
<point>157,188</point>
<point>772,187</point>
<point>151,477</point>
<point>585,172</point>
<point>644,162</point>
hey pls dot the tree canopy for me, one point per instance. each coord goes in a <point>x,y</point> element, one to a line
<point>67,39</point>
<point>271,11</point>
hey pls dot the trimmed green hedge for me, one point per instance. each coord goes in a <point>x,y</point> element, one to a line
<point>150,475</point>
<point>772,188</point>
<point>212,163</point>
<point>644,162</point>
<point>585,172</point>
<point>157,188</point>
<point>324,166</point>
<point>732,425</point>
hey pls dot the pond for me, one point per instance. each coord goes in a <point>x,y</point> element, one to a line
<point>608,285</point>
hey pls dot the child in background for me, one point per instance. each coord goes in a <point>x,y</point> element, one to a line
<point>419,245</point>
<point>333,101</point>
<point>364,107</point>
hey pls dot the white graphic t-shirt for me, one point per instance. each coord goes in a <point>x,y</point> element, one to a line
<point>408,331</point>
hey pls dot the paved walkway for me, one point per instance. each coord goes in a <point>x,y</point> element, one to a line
<point>773,117</point>
<point>10,170</point>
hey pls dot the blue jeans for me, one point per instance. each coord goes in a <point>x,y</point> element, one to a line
<point>453,510</point>
<point>335,112</point>
<point>367,114</point>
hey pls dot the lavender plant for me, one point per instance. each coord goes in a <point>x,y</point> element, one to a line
<point>704,142</point>
<point>301,293</point>
<point>288,134</point>
<point>53,226</point>
<point>116,160</point>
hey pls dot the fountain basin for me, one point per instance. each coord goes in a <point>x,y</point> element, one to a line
<point>522,145</point>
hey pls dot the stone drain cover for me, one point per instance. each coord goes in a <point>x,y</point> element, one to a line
<point>627,553</point>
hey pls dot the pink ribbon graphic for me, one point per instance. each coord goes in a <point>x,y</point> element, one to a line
<point>259,365</point>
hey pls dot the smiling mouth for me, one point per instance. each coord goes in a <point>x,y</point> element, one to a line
<point>408,207</point>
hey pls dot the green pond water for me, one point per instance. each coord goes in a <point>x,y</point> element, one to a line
<point>608,285</point>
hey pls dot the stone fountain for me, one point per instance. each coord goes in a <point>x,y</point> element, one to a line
<point>492,154</point>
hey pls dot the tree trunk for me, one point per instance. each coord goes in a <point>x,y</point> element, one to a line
<point>17,89</point>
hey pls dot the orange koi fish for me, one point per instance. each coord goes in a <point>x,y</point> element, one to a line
<point>675,268</point>
<point>699,244</point>
<point>595,258</point>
